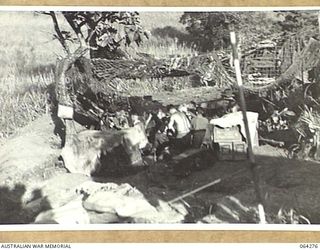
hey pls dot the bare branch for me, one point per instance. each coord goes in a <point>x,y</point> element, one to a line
<point>44,12</point>
<point>58,31</point>
<point>76,28</point>
<point>90,35</point>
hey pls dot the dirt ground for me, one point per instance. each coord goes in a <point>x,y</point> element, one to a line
<point>286,184</point>
<point>32,157</point>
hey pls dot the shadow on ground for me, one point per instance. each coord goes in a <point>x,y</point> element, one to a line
<point>285,184</point>
<point>12,208</point>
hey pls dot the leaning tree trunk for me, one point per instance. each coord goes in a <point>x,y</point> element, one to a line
<point>61,82</point>
<point>64,89</point>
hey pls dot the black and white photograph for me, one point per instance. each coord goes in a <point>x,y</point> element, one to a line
<point>160,116</point>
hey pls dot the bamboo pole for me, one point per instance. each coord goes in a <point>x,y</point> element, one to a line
<point>212,183</point>
<point>319,21</point>
<point>253,165</point>
<point>195,191</point>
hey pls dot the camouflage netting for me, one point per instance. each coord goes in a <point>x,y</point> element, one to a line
<point>207,66</point>
<point>87,82</point>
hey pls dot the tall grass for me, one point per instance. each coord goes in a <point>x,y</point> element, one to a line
<point>167,32</point>
<point>28,55</point>
<point>22,100</point>
<point>165,47</point>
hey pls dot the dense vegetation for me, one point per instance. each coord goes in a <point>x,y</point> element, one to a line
<point>210,30</point>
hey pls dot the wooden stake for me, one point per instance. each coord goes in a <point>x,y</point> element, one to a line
<point>212,183</point>
<point>253,165</point>
<point>195,191</point>
<point>319,21</point>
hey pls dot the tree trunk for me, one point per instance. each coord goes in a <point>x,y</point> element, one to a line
<point>64,87</point>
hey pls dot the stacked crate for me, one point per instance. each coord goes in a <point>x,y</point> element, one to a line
<point>230,142</point>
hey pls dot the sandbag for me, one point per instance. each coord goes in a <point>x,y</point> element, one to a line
<point>121,200</point>
<point>129,204</point>
<point>83,153</point>
<point>165,213</point>
<point>71,213</point>
<point>60,189</point>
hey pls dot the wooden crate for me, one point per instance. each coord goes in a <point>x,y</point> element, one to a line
<point>240,151</point>
<point>232,151</point>
<point>231,134</point>
<point>225,151</point>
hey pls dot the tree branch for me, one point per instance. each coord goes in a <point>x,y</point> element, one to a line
<point>58,31</point>
<point>76,28</point>
<point>43,12</point>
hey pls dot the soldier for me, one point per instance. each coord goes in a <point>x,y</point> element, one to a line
<point>141,131</point>
<point>161,143</point>
<point>180,125</point>
<point>199,125</point>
